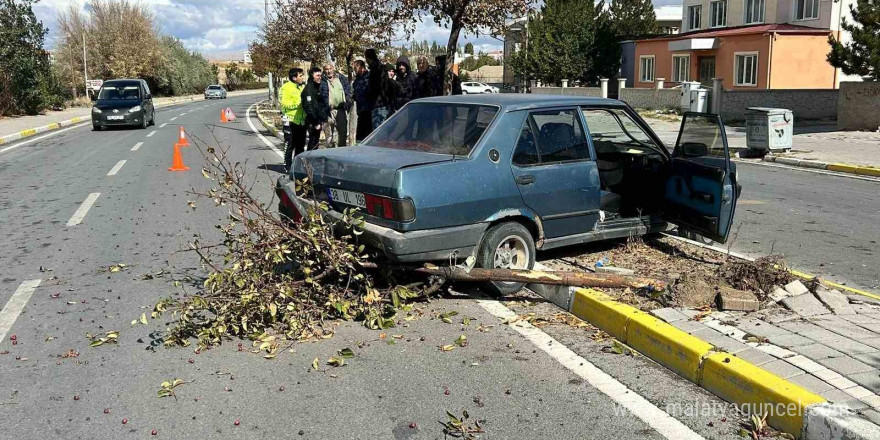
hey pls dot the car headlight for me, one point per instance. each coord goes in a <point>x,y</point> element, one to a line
<point>136,108</point>
<point>96,110</point>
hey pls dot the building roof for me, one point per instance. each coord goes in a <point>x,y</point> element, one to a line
<point>781,28</point>
<point>521,101</point>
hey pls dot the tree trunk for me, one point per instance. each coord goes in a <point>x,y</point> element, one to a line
<point>451,46</point>
<point>560,278</point>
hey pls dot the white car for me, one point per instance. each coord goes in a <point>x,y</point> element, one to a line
<point>477,87</point>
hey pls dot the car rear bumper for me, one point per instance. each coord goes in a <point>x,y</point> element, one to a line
<point>412,246</point>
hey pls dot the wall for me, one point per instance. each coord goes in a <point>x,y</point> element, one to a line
<point>651,99</point>
<point>805,104</point>
<point>859,106</point>
<point>572,91</point>
<point>799,62</point>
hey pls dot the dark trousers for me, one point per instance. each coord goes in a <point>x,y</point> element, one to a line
<point>341,126</point>
<point>296,143</point>
<point>314,135</point>
<point>364,124</point>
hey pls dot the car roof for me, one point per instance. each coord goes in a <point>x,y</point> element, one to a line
<point>122,81</point>
<point>521,101</point>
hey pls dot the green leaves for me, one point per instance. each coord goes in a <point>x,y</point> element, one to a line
<point>110,337</point>
<point>166,388</point>
<point>447,316</point>
<point>346,353</point>
<point>459,427</point>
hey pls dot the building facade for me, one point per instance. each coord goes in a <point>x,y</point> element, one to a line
<point>750,44</point>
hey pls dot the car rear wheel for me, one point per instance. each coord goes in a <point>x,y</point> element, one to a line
<point>464,92</point>
<point>506,246</point>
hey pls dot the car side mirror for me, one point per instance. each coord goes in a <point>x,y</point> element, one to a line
<point>694,149</point>
<point>93,96</point>
<point>149,96</point>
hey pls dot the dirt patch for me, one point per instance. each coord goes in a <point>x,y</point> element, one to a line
<point>696,274</point>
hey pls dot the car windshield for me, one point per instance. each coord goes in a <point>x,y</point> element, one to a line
<point>440,128</point>
<point>213,87</point>
<point>120,91</point>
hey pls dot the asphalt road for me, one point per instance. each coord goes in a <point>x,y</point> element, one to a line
<point>521,382</point>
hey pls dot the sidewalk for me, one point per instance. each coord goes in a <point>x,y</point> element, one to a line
<point>811,141</point>
<point>13,125</point>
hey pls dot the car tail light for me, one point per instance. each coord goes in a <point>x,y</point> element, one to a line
<point>401,210</point>
<point>287,203</point>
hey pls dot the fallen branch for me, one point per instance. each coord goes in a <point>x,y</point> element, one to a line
<point>561,278</point>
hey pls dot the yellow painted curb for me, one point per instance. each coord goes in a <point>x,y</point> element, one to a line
<point>854,169</point>
<point>27,133</point>
<point>807,276</point>
<point>721,373</point>
<point>760,391</point>
<point>53,126</point>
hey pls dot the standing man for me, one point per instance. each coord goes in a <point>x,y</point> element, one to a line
<point>407,81</point>
<point>290,97</point>
<point>336,92</point>
<point>360,89</point>
<point>382,90</point>
<point>426,80</point>
<point>316,110</point>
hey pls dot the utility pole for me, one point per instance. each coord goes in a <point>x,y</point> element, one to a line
<point>85,63</point>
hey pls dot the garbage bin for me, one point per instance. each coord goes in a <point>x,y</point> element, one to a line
<point>769,129</point>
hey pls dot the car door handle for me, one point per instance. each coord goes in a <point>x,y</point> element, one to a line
<point>527,179</point>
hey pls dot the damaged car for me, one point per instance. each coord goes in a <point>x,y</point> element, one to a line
<point>499,177</point>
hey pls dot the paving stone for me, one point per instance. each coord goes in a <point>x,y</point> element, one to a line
<point>775,351</point>
<point>846,365</point>
<point>811,383</point>
<point>873,401</point>
<point>740,300</point>
<point>796,287</point>
<point>805,305</point>
<point>669,314</point>
<point>872,359</point>
<point>782,369</point>
<point>778,293</point>
<point>843,327</point>
<point>860,319</point>
<point>842,383</point>
<point>872,415</point>
<point>688,326</point>
<point>859,392</point>
<point>755,357</point>
<point>869,380</point>
<point>827,374</point>
<point>791,340</point>
<point>849,346</point>
<point>836,396</point>
<point>835,301</point>
<point>816,351</point>
<point>855,405</point>
<point>761,328</point>
<point>717,339</point>
<point>690,313</point>
<point>804,363</point>
<point>871,327</point>
<point>871,343</point>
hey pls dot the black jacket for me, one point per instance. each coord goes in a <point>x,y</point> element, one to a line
<point>381,90</point>
<point>317,110</point>
<point>407,91</point>
<point>428,83</point>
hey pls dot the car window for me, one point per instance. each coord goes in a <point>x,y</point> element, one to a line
<point>613,130</point>
<point>700,136</point>
<point>526,152</point>
<point>120,91</point>
<point>559,136</point>
<point>146,88</point>
<point>434,127</point>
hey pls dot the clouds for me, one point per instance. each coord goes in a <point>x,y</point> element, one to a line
<point>222,29</point>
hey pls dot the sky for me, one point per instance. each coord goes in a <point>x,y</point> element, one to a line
<point>222,29</point>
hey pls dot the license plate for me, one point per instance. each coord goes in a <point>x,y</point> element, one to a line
<point>348,197</point>
<point>115,118</point>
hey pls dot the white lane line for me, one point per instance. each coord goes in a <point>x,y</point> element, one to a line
<point>15,305</point>
<point>136,146</point>
<point>151,133</point>
<point>163,125</point>
<point>640,407</point>
<point>80,213</point>
<point>173,119</point>
<point>116,168</point>
<point>42,137</point>
<point>260,135</point>
<point>181,114</point>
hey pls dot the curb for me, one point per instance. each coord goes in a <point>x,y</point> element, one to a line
<point>56,125</point>
<point>860,170</point>
<point>267,125</point>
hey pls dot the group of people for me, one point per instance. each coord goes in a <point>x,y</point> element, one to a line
<point>320,102</point>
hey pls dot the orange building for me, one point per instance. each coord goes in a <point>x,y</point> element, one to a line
<point>763,56</point>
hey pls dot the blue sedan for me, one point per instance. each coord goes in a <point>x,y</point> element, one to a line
<point>498,177</point>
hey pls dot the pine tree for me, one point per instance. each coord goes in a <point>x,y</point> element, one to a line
<point>633,18</point>
<point>861,56</point>
<point>469,48</point>
<point>25,76</point>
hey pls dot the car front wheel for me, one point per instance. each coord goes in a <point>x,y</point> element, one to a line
<point>506,246</point>
<point>144,122</point>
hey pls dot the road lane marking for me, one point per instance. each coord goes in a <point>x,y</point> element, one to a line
<point>163,125</point>
<point>80,213</point>
<point>15,305</point>
<point>151,133</point>
<point>750,202</point>
<point>247,116</point>
<point>173,119</point>
<point>640,407</point>
<point>116,168</point>
<point>181,114</point>
<point>41,137</point>
<point>136,146</point>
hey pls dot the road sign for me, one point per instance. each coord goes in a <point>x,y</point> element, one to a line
<point>94,84</point>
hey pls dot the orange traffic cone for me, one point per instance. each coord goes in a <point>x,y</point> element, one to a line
<point>230,115</point>
<point>223,116</point>
<point>177,163</point>
<point>181,140</point>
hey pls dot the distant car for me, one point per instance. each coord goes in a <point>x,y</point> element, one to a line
<point>477,87</point>
<point>498,177</point>
<point>215,91</point>
<point>123,102</point>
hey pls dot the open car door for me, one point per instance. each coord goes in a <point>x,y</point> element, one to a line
<point>701,190</point>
